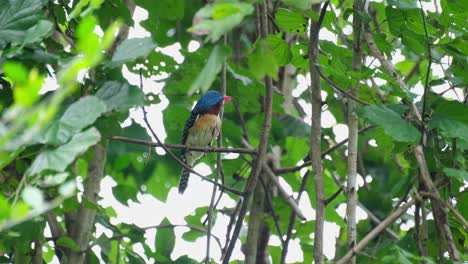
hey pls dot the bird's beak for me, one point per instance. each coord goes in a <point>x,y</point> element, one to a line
<point>227,99</point>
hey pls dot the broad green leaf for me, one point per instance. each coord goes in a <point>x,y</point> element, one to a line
<point>41,30</point>
<point>280,49</point>
<point>59,158</point>
<point>300,56</point>
<point>290,21</point>
<point>392,123</point>
<point>212,67</point>
<point>453,109</point>
<point>301,4</point>
<point>262,61</point>
<point>165,239</point>
<point>5,212</point>
<point>186,260</point>
<point>461,175</point>
<point>132,49</point>
<point>404,4</point>
<point>167,9</point>
<point>68,243</point>
<point>82,113</point>
<point>123,193</point>
<point>195,219</point>
<point>382,43</point>
<point>16,17</point>
<point>218,18</point>
<point>78,115</point>
<point>449,128</point>
<point>120,96</point>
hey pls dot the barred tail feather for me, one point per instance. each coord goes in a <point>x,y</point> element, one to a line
<point>183,180</point>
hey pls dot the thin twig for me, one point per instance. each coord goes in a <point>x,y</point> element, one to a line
<point>276,219</point>
<point>429,57</point>
<point>286,197</point>
<point>219,168</point>
<point>457,214</point>
<point>338,88</point>
<point>333,196</point>
<point>377,230</point>
<point>179,146</point>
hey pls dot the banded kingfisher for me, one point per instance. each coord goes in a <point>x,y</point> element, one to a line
<point>201,128</point>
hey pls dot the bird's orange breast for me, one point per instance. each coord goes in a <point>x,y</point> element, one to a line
<point>205,129</point>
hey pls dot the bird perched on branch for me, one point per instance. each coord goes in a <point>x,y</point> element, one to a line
<point>202,127</point>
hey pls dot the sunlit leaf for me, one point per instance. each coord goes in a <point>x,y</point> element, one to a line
<point>290,21</point>
<point>262,61</point>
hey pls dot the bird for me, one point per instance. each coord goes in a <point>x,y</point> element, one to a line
<point>201,128</point>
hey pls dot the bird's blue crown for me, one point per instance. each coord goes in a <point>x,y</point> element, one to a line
<point>207,101</point>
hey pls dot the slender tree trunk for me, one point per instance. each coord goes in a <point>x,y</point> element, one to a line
<point>255,223</point>
<point>353,135</point>
<point>82,228</point>
<point>315,139</point>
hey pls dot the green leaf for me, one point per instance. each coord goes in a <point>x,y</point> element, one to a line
<point>26,84</point>
<point>59,158</point>
<point>262,61</point>
<point>68,243</point>
<point>5,212</point>
<point>404,4</point>
<point>212,67</point>
<point>78,115</point>
<point>167,9</point>
<point>449,128</point>
<point>123,193</point>
<point>280,49</point>
<point>41,30</point>
<point>461,175</point>
<point>165,239</point>
<point>393,125</point>
<point>120,96</point>
<point>382,43</point>
<point>131,49</point>
<point>82,113</point>
<point>301,4</point>
<point>290,21</point>
<point>16,17</point>
<point>219,18</point>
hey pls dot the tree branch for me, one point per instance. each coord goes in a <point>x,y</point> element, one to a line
<point>377,230</point>
<point>83,225</point>
<point>351,186</point>
<point>255,172</point>
<point>179,146</point>
<point>315,138</point>
<point>286,197</point>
